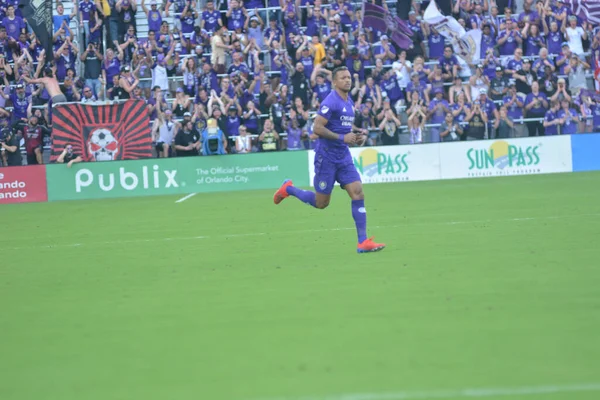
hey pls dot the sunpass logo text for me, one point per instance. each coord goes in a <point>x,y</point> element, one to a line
<point>370,162</point>
<point>503,155</point>
<point>155,179</point>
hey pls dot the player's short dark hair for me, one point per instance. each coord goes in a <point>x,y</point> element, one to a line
<point>448,47</point>
<point>337,70</point>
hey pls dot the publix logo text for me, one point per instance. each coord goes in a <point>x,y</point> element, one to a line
<point>503,155</point>
<point>144,179</point>
<point>371,162</point>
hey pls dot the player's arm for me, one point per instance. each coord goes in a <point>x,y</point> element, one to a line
<point>320,130</point>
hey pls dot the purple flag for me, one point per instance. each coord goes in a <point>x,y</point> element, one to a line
<point>588,10</point>
<point>379,19</point>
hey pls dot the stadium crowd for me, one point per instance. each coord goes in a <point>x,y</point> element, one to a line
<point>243,76</point>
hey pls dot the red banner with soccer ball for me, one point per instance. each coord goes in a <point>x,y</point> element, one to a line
<point>102,132</point>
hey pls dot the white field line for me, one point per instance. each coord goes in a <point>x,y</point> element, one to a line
<point>181,200</point>
<point>302,231</point>
<point>456,394</point>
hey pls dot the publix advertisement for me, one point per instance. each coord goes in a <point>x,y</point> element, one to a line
<point>175,176</point>
<point>393,163</point>
<point>506,157</point>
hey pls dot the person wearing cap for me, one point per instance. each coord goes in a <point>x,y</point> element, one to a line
<point>514,103</point>
<point>569,117</point>
<point>554,37</point>
<point>385,51</point>
<point>10,146</point>
<point>163,132</point>
<point>536,105</point>
<point>211,18</point>
<point>577,75</point>
<point>154,15</point>
<point>159,68</point>
<point>525,77</point>
<point>416,85</point>
<point>510,38</point>
<point>233,120</point>
<point>574,35</point>
<point>128,81</point>
<point>499,85</point>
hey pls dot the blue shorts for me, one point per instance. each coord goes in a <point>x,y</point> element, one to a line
<point>329,170</point>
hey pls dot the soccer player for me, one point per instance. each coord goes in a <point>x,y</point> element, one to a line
<point>333,162</point>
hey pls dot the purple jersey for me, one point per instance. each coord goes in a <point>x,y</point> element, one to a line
<point>340,117</point>
<point>211,20</point>
<point>236,20</point>
<point>86,8</point>
<point>509,47</point>
<point>436,45</point>
<point>555,40</point>
<point>533,44</point>
<point>513,111</point>
<point>333,161</point>
<point>20,105</point>
<point>549,117</point>
<point>323,90</point>
<point>154,20</point>
<point>13,26</point>
<point>569,127</point>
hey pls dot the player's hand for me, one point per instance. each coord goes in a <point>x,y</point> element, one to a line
<point>350,138</point>
<point>361,140</point>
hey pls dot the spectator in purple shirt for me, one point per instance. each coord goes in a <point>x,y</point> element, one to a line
<point>514,104</point>
<point>211,18</point>
<point>551,120</point>
<point>13,23</point>
<point>509,39</point>
<point>554,37</point>
<point>87,12</point>
<point>449,64</point>
<point>534,40</point>
<point>436,112</point>
<point>569,117</point>
<point>153,14</point>
<point>536,105</point>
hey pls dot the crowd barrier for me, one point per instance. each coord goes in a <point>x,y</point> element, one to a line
<point>386,164</point>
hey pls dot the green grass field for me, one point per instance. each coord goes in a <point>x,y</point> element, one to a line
<point>486,283</point>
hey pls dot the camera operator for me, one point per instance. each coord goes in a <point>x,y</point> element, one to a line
<point>69,156</point>
<point>10,148</point>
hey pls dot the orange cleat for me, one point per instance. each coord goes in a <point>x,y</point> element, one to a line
<point>282,193</point>
<point>369,246</point>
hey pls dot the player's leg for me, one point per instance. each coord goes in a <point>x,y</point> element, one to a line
<point>38,155</point>
<point>323,182</point>
<point>349,179</point>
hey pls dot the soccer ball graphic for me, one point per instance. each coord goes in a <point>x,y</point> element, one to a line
<point>102,145</point>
